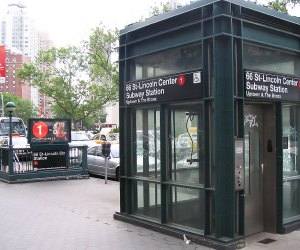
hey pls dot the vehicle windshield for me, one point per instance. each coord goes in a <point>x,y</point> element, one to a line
<point>115,150</point>
<point>79,137</point>
<point>17,127</point>
<point>112,137</point>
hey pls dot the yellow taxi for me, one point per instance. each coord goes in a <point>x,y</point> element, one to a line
<point>112,138</point>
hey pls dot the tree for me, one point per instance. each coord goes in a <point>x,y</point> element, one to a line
<point>81,80</point>
<point>159,9</point>
<point>24,108</point>
<point>156,10</point>
<point>281,5</point>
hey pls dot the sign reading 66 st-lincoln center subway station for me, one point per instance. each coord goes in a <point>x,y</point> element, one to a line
<point>183,86</point>
<point>271,86</point>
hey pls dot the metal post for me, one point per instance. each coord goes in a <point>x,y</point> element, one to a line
<point>106,160</point>
<point>10,107</point>
<point>10,129</point>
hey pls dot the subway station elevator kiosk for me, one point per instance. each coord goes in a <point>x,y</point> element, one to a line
<point>210,122</point>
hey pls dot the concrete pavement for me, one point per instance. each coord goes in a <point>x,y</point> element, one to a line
<point>78,214</point>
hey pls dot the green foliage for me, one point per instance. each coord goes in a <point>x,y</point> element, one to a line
<point>278,5</point>
<point>102,118</point>
<point>24,108</point>
<point>159,9</point>
<point>115,130</point>
<point>81,80</point>
<point>281,5</point>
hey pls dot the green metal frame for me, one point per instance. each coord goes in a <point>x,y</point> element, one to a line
<point>222,27</point>
<point>29,176</point>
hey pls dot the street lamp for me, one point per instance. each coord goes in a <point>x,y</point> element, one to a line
<point>10,107</point>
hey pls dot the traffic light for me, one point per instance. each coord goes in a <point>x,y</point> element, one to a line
<point>106,149</point>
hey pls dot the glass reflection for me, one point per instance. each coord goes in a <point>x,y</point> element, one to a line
<point>147,143</point>
<point>187,207</point>
<point>291,162</point>
<point>186,140</point>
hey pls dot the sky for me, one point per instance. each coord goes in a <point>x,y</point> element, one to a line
<point>68,22</point>
<point>71,21</point>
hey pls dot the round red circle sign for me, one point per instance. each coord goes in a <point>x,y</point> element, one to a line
<point>181,80</point>
<point>40,129</point>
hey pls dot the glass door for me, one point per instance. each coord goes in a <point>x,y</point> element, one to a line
<point>185,170</point>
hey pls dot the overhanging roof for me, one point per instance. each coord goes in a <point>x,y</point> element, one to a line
<point>202,3</point>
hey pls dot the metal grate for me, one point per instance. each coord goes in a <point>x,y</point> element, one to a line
<point>266,241</point>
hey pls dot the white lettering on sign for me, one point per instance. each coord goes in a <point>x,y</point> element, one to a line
<point>176,87</point>
<point>270,86</point>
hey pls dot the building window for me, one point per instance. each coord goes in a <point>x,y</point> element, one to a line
<point>147,143</point>
<point>186,139</point>
<point>169,62</point>
<point>263,59</point>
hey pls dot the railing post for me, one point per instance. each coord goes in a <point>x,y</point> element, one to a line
<point>10,161</point>
<point>84,160</point>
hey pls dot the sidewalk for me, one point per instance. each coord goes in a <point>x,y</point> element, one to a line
<point>78,214</point>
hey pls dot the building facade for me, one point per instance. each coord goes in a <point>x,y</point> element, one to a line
<point>210,122</point>
<point>18,33</point>
<point>12,84</point>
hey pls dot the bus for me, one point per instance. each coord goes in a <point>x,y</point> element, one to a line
<point>18,127</point>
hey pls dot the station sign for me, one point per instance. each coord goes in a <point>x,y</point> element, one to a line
<point>49,131</point>
<point>49,160</point>
<point>183,86</point>
<point>271,86</point>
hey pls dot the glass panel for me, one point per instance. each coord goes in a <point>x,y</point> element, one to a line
<point>166,63</point>
<point>187,207</point>
<point>290,130</point>
<point>291,200</point>
<point>147,199</point>
<point>187,140</point>
<point>291,163</point>
<point>270,60</point>
<point>211,144</point>
<point>147,143</point>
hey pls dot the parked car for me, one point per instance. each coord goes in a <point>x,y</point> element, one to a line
<point>80,138</point>
<point>96,161</point>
